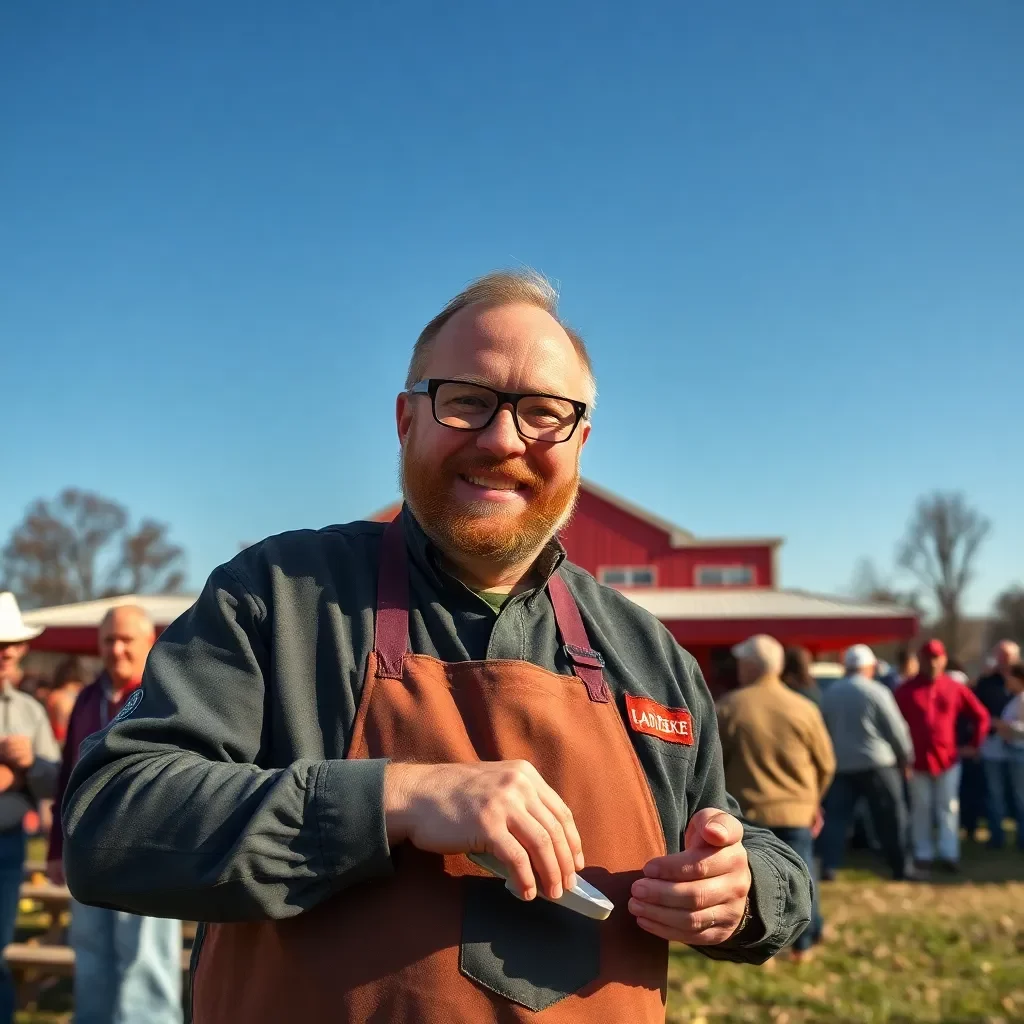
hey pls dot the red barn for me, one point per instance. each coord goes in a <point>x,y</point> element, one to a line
<point>711,593</point>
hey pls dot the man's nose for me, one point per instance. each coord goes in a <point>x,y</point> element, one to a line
<point>501,437</point>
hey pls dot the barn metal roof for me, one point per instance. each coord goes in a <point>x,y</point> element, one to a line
<point>665,603</point>
<point>670,604</point>
<point>163,609</point>
<point>695,616</point>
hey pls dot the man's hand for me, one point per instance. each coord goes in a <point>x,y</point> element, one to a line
<point>55,872</point>
<point>697,896</point>
<point>503,808</point>
<point>1004,730</point>
<point>818,824</point>
<point>16,752</point>
<point>970,753</point>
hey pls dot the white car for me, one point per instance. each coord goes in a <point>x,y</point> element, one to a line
<point>826,672</point>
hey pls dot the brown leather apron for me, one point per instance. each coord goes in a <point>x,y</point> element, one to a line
<point>441,940</point>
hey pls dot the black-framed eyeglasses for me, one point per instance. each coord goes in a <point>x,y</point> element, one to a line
<point>462,405</point>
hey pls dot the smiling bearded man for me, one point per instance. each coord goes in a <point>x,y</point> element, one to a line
<point>354,730</point>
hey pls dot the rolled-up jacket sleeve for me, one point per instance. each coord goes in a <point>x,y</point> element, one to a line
<point>168,812</point>
<point>780,891</point>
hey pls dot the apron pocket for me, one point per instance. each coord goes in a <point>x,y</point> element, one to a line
<point>533,954</point>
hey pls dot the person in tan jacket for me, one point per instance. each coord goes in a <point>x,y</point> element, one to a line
<point>778,758</point>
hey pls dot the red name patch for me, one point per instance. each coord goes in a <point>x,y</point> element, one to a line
<point>674,725</point>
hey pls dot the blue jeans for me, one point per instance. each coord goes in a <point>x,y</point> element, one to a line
<point>935,815</point>
<point>127,968</point>
<point>1004,798</point>
<point>800,842</point>
<point>973,799</point>
<point>12,867</point>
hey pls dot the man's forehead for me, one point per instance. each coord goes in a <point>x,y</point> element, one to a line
<point>517,346</point>
<point>125,621</point>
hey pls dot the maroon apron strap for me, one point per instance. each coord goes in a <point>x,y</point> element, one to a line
<point>586,662</point>
<point>391,628</point>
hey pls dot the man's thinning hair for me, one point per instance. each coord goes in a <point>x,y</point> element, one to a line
<point>137,613</point>
<point>502,288</point>
<point>1011,647</point>
<point>763,651</point>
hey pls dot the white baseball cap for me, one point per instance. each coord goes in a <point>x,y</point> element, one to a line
<point>859,656</point>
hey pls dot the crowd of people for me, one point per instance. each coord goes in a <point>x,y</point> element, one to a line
<point>901,750</point>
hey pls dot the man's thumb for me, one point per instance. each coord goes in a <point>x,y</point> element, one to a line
<point>711,827</point>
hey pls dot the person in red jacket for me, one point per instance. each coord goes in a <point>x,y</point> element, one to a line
<point>931,703</point>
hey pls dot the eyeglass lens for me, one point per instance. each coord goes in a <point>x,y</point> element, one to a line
<point>469,407</point>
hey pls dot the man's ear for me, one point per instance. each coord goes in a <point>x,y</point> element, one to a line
<point>403,416</point>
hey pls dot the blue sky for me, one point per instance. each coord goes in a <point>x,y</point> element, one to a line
<point>793,234</point>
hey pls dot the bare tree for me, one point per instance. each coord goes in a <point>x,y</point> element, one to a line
<point>1008,616</point>
<point>939,548</point>
<point>79,546</point>
<point>149,562</point>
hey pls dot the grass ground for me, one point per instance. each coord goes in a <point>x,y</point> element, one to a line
<point>948,953</point>
<point>945,953</point>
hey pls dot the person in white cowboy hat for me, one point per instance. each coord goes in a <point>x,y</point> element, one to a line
<point>15,634</point>
<point>29,762</point>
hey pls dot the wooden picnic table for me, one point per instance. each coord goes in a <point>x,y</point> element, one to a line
<point>27,956</point>
<point>48,955</point>
<point>35,867</point>
<point>50,895</point>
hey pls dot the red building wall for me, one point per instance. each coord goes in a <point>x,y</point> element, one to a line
<point>601,534</point>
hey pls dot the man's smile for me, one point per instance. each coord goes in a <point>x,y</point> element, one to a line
<point>486,487</point>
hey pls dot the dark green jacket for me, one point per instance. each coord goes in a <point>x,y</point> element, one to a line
<point>225,796</point>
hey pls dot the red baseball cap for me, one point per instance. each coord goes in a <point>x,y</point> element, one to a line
<point>933,649</point>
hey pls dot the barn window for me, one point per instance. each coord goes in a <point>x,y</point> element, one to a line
<point>725,575</point>
<point>628,575</point>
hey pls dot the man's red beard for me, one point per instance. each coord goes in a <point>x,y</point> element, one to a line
<point>485,529</point>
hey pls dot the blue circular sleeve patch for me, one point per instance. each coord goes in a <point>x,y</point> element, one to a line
<point>130,705</point>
